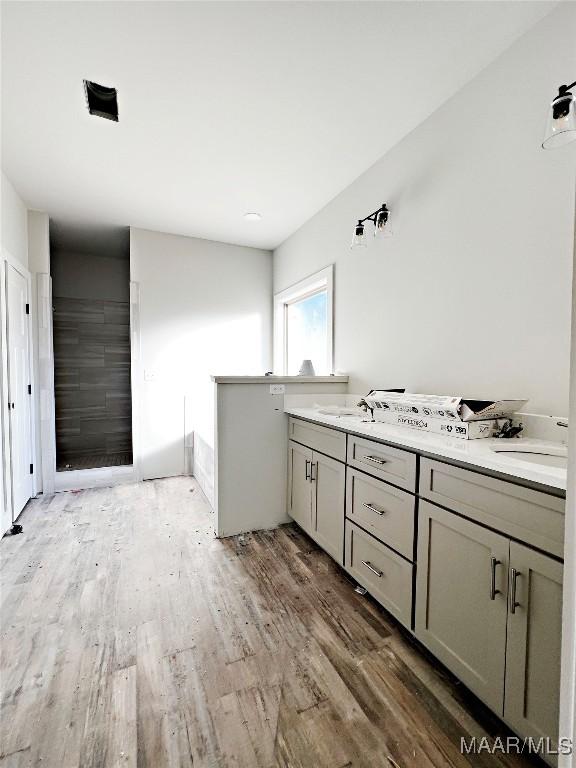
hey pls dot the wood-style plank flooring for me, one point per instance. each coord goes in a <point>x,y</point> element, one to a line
<point>132,637</point>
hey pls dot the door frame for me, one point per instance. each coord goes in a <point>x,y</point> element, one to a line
<point>9,260</point>
<point>136,375</point>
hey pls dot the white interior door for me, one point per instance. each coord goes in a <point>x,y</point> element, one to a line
<point>18,394</point>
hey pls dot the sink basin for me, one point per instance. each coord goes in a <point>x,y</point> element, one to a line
<point>547,456</point>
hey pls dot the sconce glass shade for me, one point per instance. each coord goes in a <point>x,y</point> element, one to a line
<point>383,225</point>
<point>359,238</point>
<point>561,123</point>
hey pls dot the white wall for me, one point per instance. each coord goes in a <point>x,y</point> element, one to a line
<point>472,295</point>
<point>205,308</point>
<point>251,450</point>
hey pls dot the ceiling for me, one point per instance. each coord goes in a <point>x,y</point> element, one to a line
<point>226,108</point>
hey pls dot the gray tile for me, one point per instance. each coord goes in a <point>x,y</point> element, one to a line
<point>104,378</point>
<point>67,425</point>
<point>117,359</point>
<point>81,356</point>
<point>103,334</point>
<point>118,404</point>
<point>78,444</point>
<point>119,443</point>
<point>64,379</point>
<point>105,426</point>
<point>92,377</point>
<point>115,312</point>
<point>77,310</point>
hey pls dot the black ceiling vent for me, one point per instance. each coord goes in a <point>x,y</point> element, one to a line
<point>101,101</point>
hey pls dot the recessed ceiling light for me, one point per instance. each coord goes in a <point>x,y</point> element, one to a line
<point>252,216</point>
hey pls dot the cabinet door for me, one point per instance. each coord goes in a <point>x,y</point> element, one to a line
<point>533,647</point>
<point>328,481</point>
<point>461,593</point>
<point>381,509</point>
<point>328,440</point>
<point>384,461</point>
<point>386,575</point>
<point>299,485</point>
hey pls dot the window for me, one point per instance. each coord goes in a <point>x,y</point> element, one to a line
<point>303,325</point>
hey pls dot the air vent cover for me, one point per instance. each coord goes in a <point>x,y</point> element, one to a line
<point>101,100</point>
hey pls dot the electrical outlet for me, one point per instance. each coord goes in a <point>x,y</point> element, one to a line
<point>277,389</point>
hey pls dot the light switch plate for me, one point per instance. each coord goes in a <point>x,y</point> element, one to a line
<point>277,389</point>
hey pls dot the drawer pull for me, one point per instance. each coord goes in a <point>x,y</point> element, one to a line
<point>372,508</point>
<point>493,591</point>
<point>374,459</point>
<point>370,567</point>
<point>513,579</point>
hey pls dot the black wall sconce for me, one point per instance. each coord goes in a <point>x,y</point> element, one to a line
<point>381,221</point>
<point>561,124</point>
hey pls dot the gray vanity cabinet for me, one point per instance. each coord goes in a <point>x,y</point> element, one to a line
<point>328,486</point>
<point>488,597</point>
<point>531,702</point>
<point>383,572</point>
<point>461,594</point>
<point>299,487</point>
<point>316,485</point>
<point>491,609</point>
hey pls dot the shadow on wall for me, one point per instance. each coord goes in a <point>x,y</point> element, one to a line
<point>202,466</point>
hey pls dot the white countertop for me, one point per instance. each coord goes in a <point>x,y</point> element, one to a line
<point>279,379</point>
<point>476,453</point>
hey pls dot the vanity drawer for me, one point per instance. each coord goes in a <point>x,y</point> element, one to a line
<point>533,517</point>
<point>383,461</point>
<point>322,439</point>
<point>383,510</point>
<point>386,575</point>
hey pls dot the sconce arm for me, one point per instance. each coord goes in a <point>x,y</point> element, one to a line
<point>372,216</point>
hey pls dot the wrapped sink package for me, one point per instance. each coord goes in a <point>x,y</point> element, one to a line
<point>465,430</point>
<point>443,407</point>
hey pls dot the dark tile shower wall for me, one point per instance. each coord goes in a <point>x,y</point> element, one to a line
<point>92,382</point>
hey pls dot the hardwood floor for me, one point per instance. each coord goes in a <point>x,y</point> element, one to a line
<point>132,637</point>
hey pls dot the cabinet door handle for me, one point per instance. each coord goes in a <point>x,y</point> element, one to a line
<point>372,508</point>
<point>312,474</point>
<point>493,591</point>
<point>374,459</point>
<point>370,567</point>
<point>307,470</point>
<point>513,580</point>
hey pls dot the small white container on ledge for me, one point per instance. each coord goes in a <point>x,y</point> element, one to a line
<point>306,369</point>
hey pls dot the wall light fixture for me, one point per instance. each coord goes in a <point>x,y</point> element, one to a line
<point>561,123</point>
<point>381,221</point>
